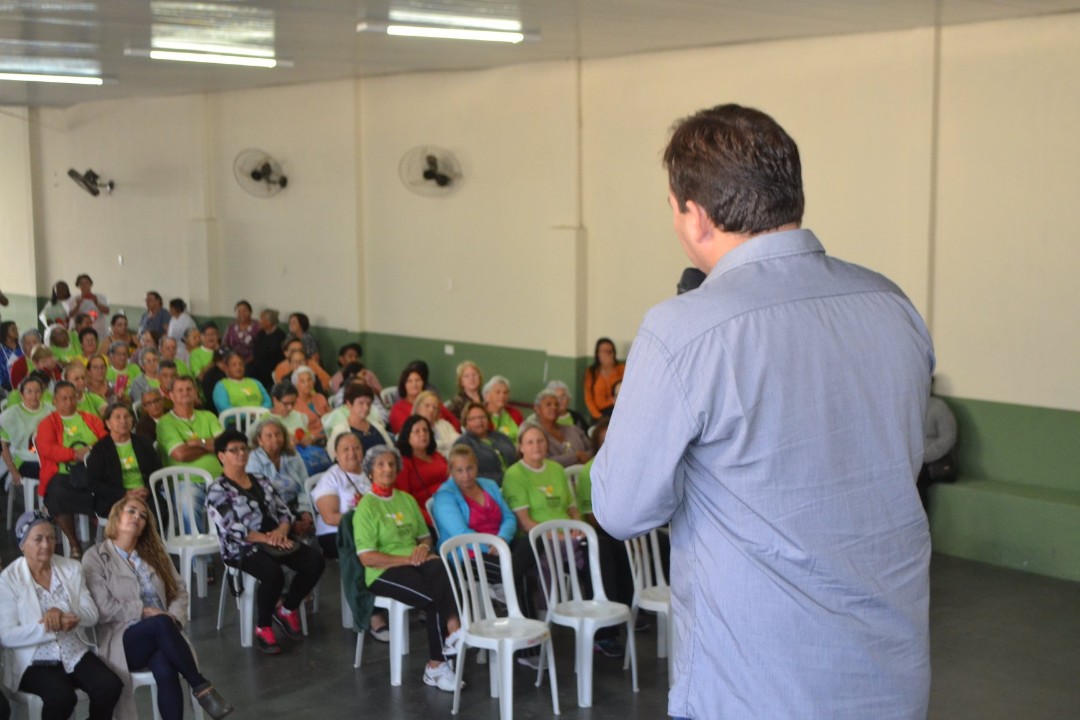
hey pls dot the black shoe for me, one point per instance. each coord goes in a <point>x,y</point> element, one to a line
<point>212,702</point>
<point>609,647</point>
<point>643,622</point>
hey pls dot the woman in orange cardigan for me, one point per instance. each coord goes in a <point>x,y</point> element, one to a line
<point>601,377</point>
<point>64,438</point>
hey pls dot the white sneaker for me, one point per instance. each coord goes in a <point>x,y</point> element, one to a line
<point>531,661</point>
<point>440,676</point>
<point>451,643</point>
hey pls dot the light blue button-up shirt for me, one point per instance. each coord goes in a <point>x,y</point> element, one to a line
<point>774,417</point>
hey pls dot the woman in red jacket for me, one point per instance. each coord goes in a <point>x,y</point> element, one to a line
<point>64,438</point>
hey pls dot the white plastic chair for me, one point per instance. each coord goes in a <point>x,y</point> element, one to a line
<point>553,546</point>
<point>482,628</point>
<point>572,474</point>
<point>651,592</point>
<point>246,605</point>
<point>242,418</point>
<point>399,635</point>
<point>182,538</point>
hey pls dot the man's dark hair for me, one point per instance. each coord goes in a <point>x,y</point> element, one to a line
<point>156,295</point>
<point>178,305</point>
<point>87,331</point>
<point>356,390</point>
<point>739,165</point>
<point>350,346</point>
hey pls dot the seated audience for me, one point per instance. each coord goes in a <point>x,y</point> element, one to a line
<point>120,464</point>
<point>505,418</point>
<point>567,444</point>
<point>18,423</point>
<point>185,436</point>
<point>253,525</point>
<point>85,400</point>
<point>423,469</point>
<point>299,324</point>
<point>97,377</point>
<point>338,491</point>
<point>358,419</point>
<point>394,544</point>
<point>156,318</point>
<point>469,382</point>
<point>266,350</point>
<point>235,390</point>
<point>601,376</point>
<point>427,405</point>
<point>149,362</point>
<point>46,613</point>
<point>494,451</point>
<point>567,415</point>
<point>275,459</point>
<point>411,383</point>
<point>309,402</point>
<point>64,438</point>
<point>119,333</point>
<point>180,321</point>
<point>142,607</point>
<point>240,335</point>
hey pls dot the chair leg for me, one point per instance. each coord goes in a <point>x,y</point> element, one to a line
<point>346,611</point>
<point>303,617</point>
<point>186,562</point>
<point>247,611</point>
<point>221,599</point>
<point>550,649</point>
<point>459,672</point>
<point>200,564</point>
<point>398,633</point>
<point>661,634</point>
<point>504,660</point>
<point>495,668</point>
<point>631,651</point>
<point>584,652</point>
<point>359,651</point>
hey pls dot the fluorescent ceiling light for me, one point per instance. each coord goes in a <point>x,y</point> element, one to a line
<point>214,58</point>
<point>446,33</point>
<point>69,79</point>
<point>410,17</point>
<point>199,47</point>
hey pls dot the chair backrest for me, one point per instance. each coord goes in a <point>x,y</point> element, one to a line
<point>646,567</point>
<point>242,418</point>
<point>556,545</point>
<point>309,485</point>
<point>173,486</point>
<point>429,505</point>
<point>572,473</point>
<point>463,556</point>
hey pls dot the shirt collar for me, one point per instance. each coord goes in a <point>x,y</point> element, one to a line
<point>766,247</point>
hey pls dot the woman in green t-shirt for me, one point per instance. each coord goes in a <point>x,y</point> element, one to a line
<point>535,487</point>
<point>235,390</point>
<point>121,463</point>
<point>395,546</point>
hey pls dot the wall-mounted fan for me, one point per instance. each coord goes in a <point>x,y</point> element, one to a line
<point>91,182</point>
<point>429,170</point>
<point>259,174</point>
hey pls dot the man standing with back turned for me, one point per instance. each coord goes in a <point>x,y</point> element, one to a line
<point>774,416</point>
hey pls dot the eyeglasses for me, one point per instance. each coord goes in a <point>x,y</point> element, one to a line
<point>238,450</point>
<point>156,401</point>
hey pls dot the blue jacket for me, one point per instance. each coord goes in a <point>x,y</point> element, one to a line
<point>451,512</point>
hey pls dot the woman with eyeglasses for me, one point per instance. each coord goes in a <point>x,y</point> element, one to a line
<point>142,606</point>
<point>253,525</point>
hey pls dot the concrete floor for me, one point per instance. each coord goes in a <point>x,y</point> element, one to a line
<point>1005,644</point>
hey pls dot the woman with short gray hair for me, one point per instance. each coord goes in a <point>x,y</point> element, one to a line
<point>504,417</point>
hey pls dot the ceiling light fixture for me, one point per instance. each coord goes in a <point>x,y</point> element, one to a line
<point>68,79</point>
<point>213,58</point>
<point>410,23</point>
<point>454,33</point>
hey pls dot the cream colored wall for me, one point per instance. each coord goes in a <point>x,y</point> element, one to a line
<point>1008,303</point>
<point>858,106</point>
<point>16,211</point>
<point>493,261</point>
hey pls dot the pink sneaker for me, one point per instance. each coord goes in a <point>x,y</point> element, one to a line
<point>289,622</point>
<point>266,641</point>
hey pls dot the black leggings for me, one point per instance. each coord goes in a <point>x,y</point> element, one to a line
<point>56,688</point>
<point>156,643</point>
<point>306,560</point>
<point>424,586</point>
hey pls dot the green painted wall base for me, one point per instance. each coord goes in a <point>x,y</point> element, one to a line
<point>1018,504</point>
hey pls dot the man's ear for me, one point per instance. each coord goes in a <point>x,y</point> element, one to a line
<point>699,226</point>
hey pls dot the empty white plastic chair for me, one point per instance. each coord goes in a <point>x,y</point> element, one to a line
<point>651,592</point>
<point>482,628</point>
<point>175,486</point>
<point>553,546</point>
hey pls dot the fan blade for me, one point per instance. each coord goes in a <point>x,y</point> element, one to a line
<point>432,163</point>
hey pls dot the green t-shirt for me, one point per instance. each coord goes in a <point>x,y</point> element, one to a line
<point>584,489</point>
<point>199,358</point>
<point>64,355</point>
<point>242,393</point>
<point>91,403</point>
<point>182,368</point>
<point>544,493</point>
<point>173,431</point>
<point>131,370</point>
<point>132,477</point>
<point>76,430</point>
<point>390,525</point>
<point>15,398</point>
<point>17,428</point>
<point>505,424</point>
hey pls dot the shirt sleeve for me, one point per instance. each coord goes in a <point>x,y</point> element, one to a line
<point>365,534</point>
<point>168,436</point>
<point>515,492</point>
<point>221,396</point>
<point>634,486</point>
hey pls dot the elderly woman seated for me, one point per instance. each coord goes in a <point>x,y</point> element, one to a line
<point>359,418</point>
<point>142,607</point>
<point>423,469</point>
<point>149,363</point>
<point>567,414</point>
<point>121,373</point>
<point>394,545</point>
<point>253,526</point>
<point>505,418</point>
<point>309,402</point>
<point>494,451</point>
<point>567,444</point>
<point>411,383</point>
<point>427,405</point>
<point>275,459</point>
<point>45,613</point>
<point>76,374</point>
<point>235,390</point>
<point>120,464</point>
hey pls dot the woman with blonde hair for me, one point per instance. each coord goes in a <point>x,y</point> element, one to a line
<point>427,405</point>
<point>142,606</point>
<point>469,382</point>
